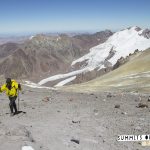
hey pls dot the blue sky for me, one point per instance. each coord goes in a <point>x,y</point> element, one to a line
<point>24,16</point>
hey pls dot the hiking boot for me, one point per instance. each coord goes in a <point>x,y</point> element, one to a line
<point>15,113</point>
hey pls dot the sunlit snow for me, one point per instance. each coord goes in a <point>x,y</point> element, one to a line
<point>122,43</point>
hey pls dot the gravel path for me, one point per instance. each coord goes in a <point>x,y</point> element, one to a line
<point>56,120</point>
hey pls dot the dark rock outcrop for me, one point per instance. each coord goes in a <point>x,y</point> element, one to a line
<point>146,33</point>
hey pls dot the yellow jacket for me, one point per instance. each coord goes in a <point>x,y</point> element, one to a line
<point>13,91</point>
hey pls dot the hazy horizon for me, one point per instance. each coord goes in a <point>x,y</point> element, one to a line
<point>44,16</point>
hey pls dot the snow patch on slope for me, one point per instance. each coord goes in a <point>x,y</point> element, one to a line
<point>62,76</point>
<point>65,81</point>
<point>27,148</point>
<point>34,85</point>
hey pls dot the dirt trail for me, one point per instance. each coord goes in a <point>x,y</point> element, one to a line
<point>57,120</point>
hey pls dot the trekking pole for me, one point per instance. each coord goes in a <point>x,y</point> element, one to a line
<point>18,100</point>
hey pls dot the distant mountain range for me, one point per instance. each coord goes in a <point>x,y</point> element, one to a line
<point>12,39</point>
<point>57,60</point>
<point>42,55</point>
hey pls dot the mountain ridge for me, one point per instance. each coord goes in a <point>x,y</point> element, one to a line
<point>104,56</point>
<point>44,55</point>
<point>132,76</point>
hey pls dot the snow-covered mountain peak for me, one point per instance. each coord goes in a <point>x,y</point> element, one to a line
<point>136,28</point>
<point>119,45</point>
<point>123,43</point>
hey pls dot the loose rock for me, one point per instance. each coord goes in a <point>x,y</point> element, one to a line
<point>46,99</point>
<point>75,141</point>
<point>117,106</point>
<point>70,99</point>
<point>142,105</point>
<point>92,94</point>
<point>75,121</point>
<point>109,95</point>
<point>124,113</point>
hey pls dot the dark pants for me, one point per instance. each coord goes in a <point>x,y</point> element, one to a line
<point>12,104</point>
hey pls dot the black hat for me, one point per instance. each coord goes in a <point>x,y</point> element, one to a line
<point>8,80</point>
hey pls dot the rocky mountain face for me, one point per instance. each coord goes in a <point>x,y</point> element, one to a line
<point>89,40</point>
<point>44,55</point>
<point>146,33</point>
<point>104,57</point>
<point>7,49</point>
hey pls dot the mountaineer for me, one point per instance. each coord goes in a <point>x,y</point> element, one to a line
<point>11,88</point>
